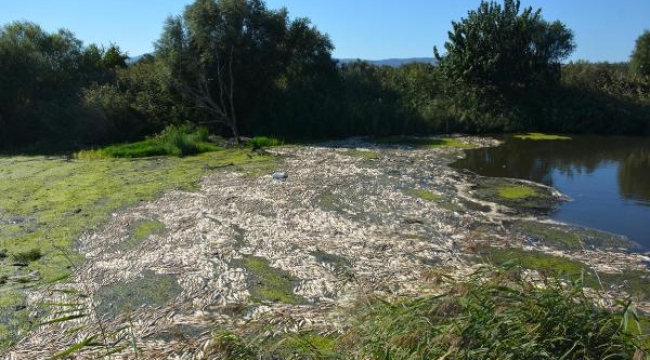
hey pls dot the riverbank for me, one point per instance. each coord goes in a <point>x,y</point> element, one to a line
<point>352,219</point>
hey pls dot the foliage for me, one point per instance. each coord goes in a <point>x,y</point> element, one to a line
<point>173,141</point>
<point>260,142</point>
<point>500,48</point>
<point>501,318</point>
<point>42,76</point>
<point>235,58</point>
<point>640,59</point>
<point>237,66</point>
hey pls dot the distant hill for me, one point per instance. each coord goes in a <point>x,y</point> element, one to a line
<point>393,62</point>
<point>385,62</point>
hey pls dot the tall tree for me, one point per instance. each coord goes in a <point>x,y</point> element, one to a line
<point>503,48</point>
<point>230,56</point>
<point>640,60</point>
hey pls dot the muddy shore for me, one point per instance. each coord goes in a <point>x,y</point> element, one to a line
<point>352,218</point>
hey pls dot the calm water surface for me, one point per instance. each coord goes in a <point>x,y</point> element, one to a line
<point>608,178</point>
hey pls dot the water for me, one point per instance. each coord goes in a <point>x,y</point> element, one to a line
<point>608,178</point>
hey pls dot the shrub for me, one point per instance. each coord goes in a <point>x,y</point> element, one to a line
<point>498,319</point>
<point>173,141</point>
<point>259,142</point>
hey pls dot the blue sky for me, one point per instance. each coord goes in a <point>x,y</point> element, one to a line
<point>605,30</point>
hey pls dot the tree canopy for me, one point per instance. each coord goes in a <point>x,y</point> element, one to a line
<point>232,58</point>
<point>640,59</point>
<point>502,47</point>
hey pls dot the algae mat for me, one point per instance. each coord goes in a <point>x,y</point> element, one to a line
<point>48,202</point>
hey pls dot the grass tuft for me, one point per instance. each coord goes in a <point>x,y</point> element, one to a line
<point>260,142</point>
<point>495,319</point>
<point>173,141</point>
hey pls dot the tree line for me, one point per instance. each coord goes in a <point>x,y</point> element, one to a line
<point>237,67</point>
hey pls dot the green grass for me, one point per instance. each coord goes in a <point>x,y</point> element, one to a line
<point>540,136</point>
<point>517,192</point>
<point>268,284</point>
<point>260,142</point>
<point>425,142</point>
<point>362,154</point>
<point>494,317</point>
<point>173,141</point>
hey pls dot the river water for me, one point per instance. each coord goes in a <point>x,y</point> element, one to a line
<point>608,178</point>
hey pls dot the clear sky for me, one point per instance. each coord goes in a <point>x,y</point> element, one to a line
<point>605,30</point>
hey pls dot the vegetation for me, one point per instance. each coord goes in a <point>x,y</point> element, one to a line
<point>640,60</point>
<point>423,194</point>
<point>499,48</point>
<point>516,192</point>
<point>173,141</point>
<point>497,319</point>
<point>57,200</point>
<point>494,315</point>
<point>362,154</point>
<point>425,142</point>
<point>540,136</point>
<point>238,67</point>
<point>269,284</point>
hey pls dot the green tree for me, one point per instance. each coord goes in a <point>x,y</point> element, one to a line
<point>503,48</point>
<point>41,76</point>
<point>233,58</point>
<point>640,60</point>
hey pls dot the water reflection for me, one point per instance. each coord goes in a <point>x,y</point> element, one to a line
<point>634,177</point>
<point>608,177</point>
<point>584,155</point>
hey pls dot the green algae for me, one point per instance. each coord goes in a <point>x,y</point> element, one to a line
<point>541,136</point>
<point>422,194</point>
<point>517,192</point>
<point>362,154</point>
<point>425,142</point>
<point>64,199</point>
<point>49,202</point>
<point>151,289</point>
<point>518,197</point>
<point>268,284</point>
<point>140,231</point>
